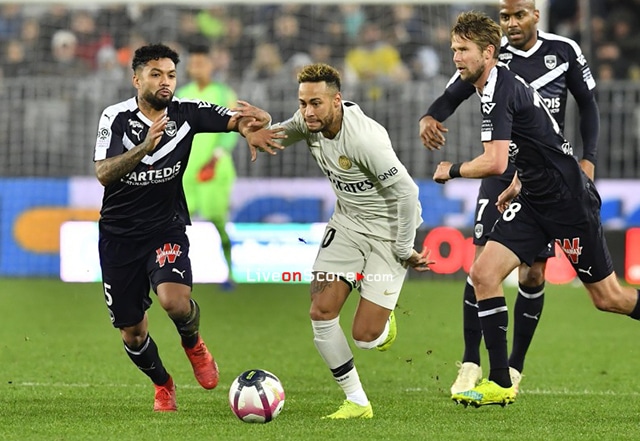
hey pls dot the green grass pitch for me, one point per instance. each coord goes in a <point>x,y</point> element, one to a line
<point>64,375</point>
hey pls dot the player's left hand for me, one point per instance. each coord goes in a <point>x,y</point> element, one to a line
<point>441,174</point>
<point>588,168</point>
<point>420,261</point>
<point>505,198</point>
<point>264,140</point>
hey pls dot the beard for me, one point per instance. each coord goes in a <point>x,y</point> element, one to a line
<point>156,102</point>
<point>473,76</point>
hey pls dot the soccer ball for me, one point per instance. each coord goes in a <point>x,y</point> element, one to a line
<point>256,396</point>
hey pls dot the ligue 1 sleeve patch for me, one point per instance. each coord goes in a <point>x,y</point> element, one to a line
<point>104,135</point>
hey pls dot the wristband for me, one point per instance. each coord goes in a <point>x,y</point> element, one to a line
<point>454,171</point>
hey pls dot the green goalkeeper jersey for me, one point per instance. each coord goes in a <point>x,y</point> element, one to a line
<point>205,144</point>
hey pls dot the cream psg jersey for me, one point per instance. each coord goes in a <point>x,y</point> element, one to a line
<point>360,164</point>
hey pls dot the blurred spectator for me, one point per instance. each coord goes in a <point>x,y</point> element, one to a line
<point>374,62</point>
<point>36,47</point>
<point>189,32</point>
<point>83,25</point>
<point>10,21</point>
<point>407,34</point>
<point>114,20</point>
<point>626,34</point>
<point>221,58</point>
<point>212,22</point>
<point>287,35</point>
<point>266,66</point>
<point>321,51</point>
<point>57,17</point>
<point>108,82</point>
<point>267,63</point>
<point>125,53</point>
<point>157,22</point>
<point>240,44</point>
<point>563,18</point>
<point>15,63</point>
<point>63,61</point>
<point>353,17</point>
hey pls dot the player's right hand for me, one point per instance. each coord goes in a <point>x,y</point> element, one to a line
<point>156,131</point>
<point>431,133</point>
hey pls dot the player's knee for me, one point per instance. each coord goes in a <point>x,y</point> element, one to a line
<point>479,277</point>
<point>133,337</point>
<point>320,312</point>
<point>531,276</point>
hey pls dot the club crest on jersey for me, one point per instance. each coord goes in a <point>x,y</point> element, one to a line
<point>478,229</point>
<point>168,252</point>
<point>550,61</point>
<point>344,162</point>
<point>572,248</point>
<point>171,129</point>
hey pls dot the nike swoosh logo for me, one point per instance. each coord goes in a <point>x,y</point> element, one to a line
<point>387,293</point>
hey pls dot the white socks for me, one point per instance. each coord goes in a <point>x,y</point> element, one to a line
<point>336,353</point>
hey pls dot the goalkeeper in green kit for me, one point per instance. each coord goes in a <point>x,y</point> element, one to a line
<point>210,174</point>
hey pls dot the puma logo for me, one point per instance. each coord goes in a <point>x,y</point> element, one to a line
<point>534,317</point>
<point>586,271</point>
<point>176,270</point>
<point>467,302</point>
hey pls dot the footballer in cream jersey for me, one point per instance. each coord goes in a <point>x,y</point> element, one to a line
<point>361,166</point>
<point>368,242</point>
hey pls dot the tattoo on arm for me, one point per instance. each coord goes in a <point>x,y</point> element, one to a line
<point>111,169</point>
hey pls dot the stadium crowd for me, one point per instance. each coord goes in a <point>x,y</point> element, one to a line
<point>370,43</point>
<point>393,56</point>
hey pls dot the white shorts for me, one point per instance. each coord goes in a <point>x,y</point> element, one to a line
<point>367,263</point>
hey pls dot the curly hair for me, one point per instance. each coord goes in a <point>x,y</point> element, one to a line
<point>478,28</point>
<point>316,73</point>
<point>150,52</point>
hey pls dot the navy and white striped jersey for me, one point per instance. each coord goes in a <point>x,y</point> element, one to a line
<point>513,110</point>
<point>148,198</point>
<point>552,66</point>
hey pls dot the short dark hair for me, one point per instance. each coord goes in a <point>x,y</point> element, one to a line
<point>318,72</point>
<point>150,52</point>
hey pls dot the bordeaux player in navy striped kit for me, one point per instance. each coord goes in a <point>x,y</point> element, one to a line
<point>550,198</point>
<point>552,65</point>
<point>141,153</point>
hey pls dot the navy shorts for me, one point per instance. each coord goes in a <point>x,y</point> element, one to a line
<point>487,214</point>
<point>131,269</point>
<point>574,224</point>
